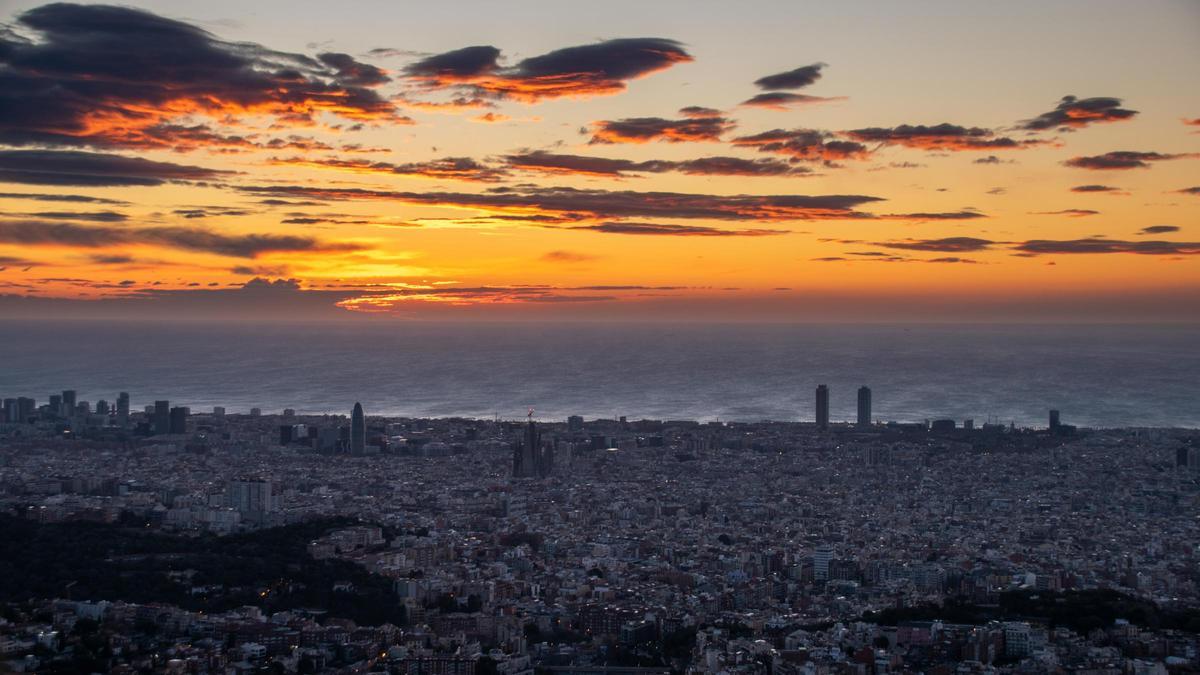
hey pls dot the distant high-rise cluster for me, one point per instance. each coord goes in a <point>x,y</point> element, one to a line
<point>822,411</point>
<point>532,458</point>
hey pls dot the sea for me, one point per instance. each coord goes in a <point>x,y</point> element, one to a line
<point>1097,376</point>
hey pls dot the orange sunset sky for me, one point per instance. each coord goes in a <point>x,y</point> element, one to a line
<point>621,160</point>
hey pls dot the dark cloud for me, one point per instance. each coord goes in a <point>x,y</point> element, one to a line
<point>109,76</point>
<point>867,256</point>
<point>88,216</point>
<point>456,66</point>
<point>699,111</point>
<point>577,204</point>
<point>991,159</point>
<point>14,261</point>
<point>673,230</point>
<point>566,257</point>
<point>1158,229</point>
<point>945,245</point>
<point>586,70</point>
<point>111,259</point>
<point>304,220</point>
<point>43,233</point>
<point>1071,213</point>
<point>1119,160</point>
<point>454,168</point>
<point>193,213</point>
<point>692,128</point>
<point>965,214</point>
<point>779,100</point>
<point>792,79</point>
<point>1102,245</point>
<point>1076,113</point>
<point>76,199</point>
<point>1189,190</point>
<point>736,166</point>
<point>332,219</point>
<point>260,270</point>
<point>1098,188</point>
<point>185,138</point>
<point>938,137</point>
<point>72,167</point>
<point>294,142</point>
<point>285,202</point>
<point>805,145</point>
<point>880,256</point>
<point>351,72</point>
<point>546,162</point>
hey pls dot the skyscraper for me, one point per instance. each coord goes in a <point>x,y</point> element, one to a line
<point>162,417</point>
<point>26,407</point>
<point>1055,420</point>
<point>822,556</point>
<point>822,405</point>
<point>864,406</point>
<point>530,460</point>
<point>254,498</point>
<point>358,430</point>
<point>179,417</point>
<point>123,408</point>
<point>68,402</point>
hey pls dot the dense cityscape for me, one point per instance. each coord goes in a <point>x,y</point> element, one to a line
<point>157,538</point>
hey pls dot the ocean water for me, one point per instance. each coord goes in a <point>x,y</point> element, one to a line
<point>1096,375</point>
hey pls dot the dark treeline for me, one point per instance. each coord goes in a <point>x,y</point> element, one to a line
<point>268,568</point>
<point>1081,611</point>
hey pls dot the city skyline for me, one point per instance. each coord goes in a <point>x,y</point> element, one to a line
<point>162,418</point>
<point>683,162</point>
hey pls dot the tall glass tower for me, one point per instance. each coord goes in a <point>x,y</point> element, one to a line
<point>358,430</point>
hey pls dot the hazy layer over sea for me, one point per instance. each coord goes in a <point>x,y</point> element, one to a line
<point>1133,375</point>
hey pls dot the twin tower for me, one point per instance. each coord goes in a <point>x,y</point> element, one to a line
<point>864,406</point>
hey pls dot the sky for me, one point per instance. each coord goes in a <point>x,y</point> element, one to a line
<point>765,161</point>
